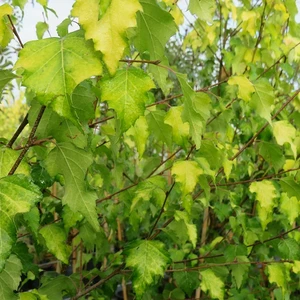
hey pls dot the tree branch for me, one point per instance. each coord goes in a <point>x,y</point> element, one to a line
<point>29,142</point>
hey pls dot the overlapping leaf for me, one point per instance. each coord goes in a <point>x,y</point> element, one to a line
<point>72,163</point>
<point>126,93</point>
<point>6,33</point>
<point>10,278</point>
<point>108,33</point>
<point>155,26</point>
<point>5,77</point>
<point>17,195</point>
<point>59,65</point>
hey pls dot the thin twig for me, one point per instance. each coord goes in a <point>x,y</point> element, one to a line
<point>18,132</point>
<point>29,142</point>
<point>14,30</point>
<point>99,283</point>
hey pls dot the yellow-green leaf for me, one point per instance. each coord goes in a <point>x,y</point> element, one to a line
<point>212,284</point>
<point>56,241</point>
<point>53,67</point>
<point>285,132</point>
<point>246,88</point>
<point>148,260</point>
<point>126,93</point>
<point>204,9</point>
<point>6,33</point>
<point>265,195</point>
<point>186,173</point>
<point>109,32</point>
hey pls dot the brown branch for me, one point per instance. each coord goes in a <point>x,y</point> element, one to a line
<point>161,210</point>
<point>14,30</point>
<point>35,143</point>
<point>154,62</point>
<point>18,132</point>
<point>99,283</point>
<point>208,266</point>
<point>29,142</point>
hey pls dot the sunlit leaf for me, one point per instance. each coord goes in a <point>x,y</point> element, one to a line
<point>17,195</point>
<point>109,32</point>
<point>60,65</point>
<point>126,93</point>
<point>212,284</point>
<point>148,260</point>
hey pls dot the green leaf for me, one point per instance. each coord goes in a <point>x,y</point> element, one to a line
<point>160,130</point>
<point>196,109</point>
<point>56,241</point>
<point>59,66</point>
<point>52,125</point>
<point>187,281</point>
<point>279,274</point>
<point>6,33</point>
<point>72,163</point>
<point>151,188</point>
<point>109,32</point>
<point>155,26</point>
<point>289,207</point>
<point>57,287</point>
<point>272,153</point>
<point>41,28</point>
<point>22,252</point>
<point>32,295</point>
<point>17,195</point>
<point>148,260</point>
<point>10,278</point>
<point>240,270</point>
<point>212,284</point>
<point>186,173</point>
<point>7,159</point>
<point>285,132</point>
<point>291,187</point>
<point>191,228</point>
<point>180,130</point>
<point>263,99</point>
<point>126,93</point>
<point>62,28</point>
<point>204,9</point>
<point>5,77</point>
<point>246,88</point>
<point>140,134</point>
<point>265,195</point>
<point>289,249</point>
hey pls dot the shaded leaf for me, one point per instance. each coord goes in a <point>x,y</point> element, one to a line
<point>63,159</point>
<point>289,249</point>
<point>187,281</point>
<point>155,26</point>
<point>10,278</point>
<point>196,109</point>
